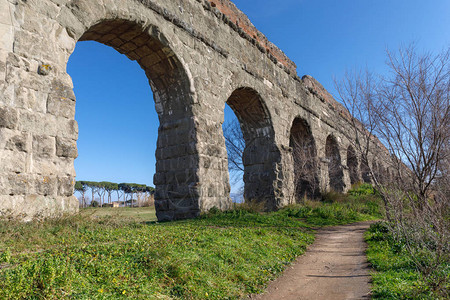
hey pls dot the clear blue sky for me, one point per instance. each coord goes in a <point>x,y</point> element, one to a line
<point>115,108</point>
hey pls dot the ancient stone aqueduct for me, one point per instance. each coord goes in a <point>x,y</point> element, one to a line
<point>198,55</point>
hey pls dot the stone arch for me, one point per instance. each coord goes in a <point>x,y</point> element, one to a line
<point>176,157</point>
<point>304,157</point>
<point>149,47</point>
<point>258,155</point>
<point>352,164</point>
<point>335,172</point>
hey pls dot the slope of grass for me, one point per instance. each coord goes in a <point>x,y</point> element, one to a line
<point>396,275</point>
<point>222,255</point>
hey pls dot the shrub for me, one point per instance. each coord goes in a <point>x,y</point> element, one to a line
<point>362,189</point>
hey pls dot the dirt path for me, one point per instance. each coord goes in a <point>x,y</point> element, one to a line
<point>334,267</point>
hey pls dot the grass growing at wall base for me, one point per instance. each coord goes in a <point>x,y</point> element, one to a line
<point>222,255</point>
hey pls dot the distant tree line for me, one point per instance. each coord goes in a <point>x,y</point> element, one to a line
<point>128,193</point>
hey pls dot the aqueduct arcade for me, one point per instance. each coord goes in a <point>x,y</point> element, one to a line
<point>197,55</point>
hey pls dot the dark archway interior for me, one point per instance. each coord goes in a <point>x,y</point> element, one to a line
<point>176,159</point>
<point>335,171</point>
<point>365,171</point>
<point>352,164</point>
<point>304,156</point>
<point>258,134</point>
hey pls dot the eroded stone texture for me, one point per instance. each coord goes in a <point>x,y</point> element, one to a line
<point>197,55</point>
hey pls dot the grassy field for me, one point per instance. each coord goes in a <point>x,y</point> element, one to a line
<point>114,254</point>
<point>141,214</point>
<point>396,275</point>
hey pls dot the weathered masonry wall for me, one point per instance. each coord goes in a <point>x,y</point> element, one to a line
<point>198,55</point>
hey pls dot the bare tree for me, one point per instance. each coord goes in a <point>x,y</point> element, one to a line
<point>235,143</point>
<point>409,111</point>
<point>304,156</point>
<point>358,91</point>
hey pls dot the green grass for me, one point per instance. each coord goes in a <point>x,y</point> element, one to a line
<point>109,254</point>
<point>141,214</point>
<point>396,275</point>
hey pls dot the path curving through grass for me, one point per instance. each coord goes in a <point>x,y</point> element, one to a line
<point>334,267</point>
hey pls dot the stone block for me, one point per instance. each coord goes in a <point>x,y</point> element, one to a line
<point>31,122</point>
<point>6,37</point>
<point>74,27</point>
<point>44,166</point>
<point>44,146</point>
<point>61,106</point>
<point>66,128</point>
<point>62,87</point>
<point>64,40</point>
<point>9,117</point>
<point>31,99</point>
<point>29,45</point>
<point>10,205</point>
<point>14,184</point>
<point>46,185</point>
<point>159,178</point>
<point>6,94</point>
<point>21,62</point>
<point>64,166</point>
<point>161,205</point>
<point>45,8</point>
<point>33,22</point>
<point>12,161</point>
<point>18,76</point>
<point>18,142</point>
<point>66,186</point>
<point>66,148</point>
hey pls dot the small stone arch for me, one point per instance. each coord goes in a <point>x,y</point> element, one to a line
<point>260,151</point>
<point>335,171</point>
<point>304,157</point>
<point>176,168</point>
<point>352,164</point>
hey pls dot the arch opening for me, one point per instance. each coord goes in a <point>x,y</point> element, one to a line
<point>258,153</point>
<point>365,171</point>
<point>335,171</point>
<point>235,145</point>
<point>176,172</point>
<point>117,127</point>
<point>352,164</point>
<point>304,154</point>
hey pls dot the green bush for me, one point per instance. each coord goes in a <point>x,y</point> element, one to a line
<point>362,189</point>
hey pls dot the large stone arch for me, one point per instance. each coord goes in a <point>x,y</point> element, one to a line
<point>176,169</point>
<point>304,153</point>
<point>260,152</point>
<point>49,176</point>
<point>335,172</point>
